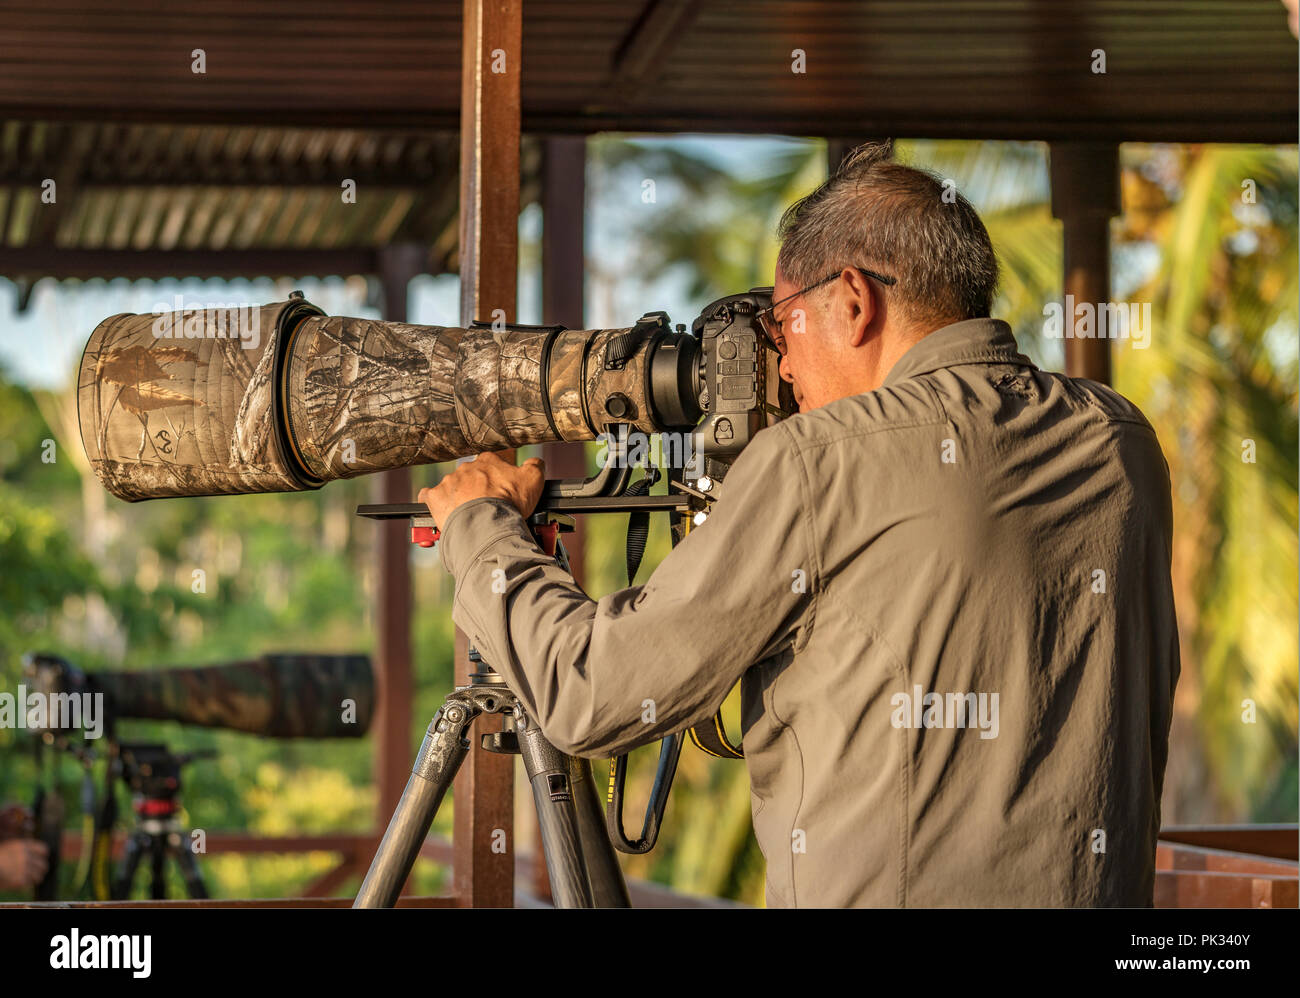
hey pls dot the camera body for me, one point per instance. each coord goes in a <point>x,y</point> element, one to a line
<point>741,390</point>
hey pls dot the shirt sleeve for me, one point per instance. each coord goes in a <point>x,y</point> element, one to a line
<point>603,676</point>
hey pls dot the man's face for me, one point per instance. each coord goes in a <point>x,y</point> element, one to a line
<point>810,343</point>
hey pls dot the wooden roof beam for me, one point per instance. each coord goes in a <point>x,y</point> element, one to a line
<point>37,262</point>
<point>642,54</point>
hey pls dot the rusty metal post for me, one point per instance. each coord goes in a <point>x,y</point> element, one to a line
<point>1085,196</point>
<point>392,725</point>
<point>489,261</point>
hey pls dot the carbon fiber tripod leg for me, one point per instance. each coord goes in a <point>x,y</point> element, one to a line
<point>158,867</point>
<point>550,775</point>
<point>441,754</point>
<point>580,860</point>
<point>608,888</point>
<point>189,867</point>
<point>134,852</point>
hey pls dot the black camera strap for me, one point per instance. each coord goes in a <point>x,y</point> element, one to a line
<point>711,737</point>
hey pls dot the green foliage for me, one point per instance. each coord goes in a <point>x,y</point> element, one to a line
<point>1220,385</point>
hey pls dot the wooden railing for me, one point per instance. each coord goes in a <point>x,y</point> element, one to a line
<point>1217,866</point>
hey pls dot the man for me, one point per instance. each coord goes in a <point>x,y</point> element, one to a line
<point>945,583</point>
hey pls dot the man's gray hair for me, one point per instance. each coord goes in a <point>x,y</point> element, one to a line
<point>879,214</point>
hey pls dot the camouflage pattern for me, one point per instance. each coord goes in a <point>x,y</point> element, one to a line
<point>367,395</point>
<point>188,412</point>
<point>196,411</point>
<point>279,696</point>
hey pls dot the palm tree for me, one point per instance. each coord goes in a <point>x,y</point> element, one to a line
<point>1220,385</point>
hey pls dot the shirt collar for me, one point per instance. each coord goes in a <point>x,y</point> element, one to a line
<point>971,341</point>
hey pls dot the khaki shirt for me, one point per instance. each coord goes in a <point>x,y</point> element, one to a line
<point>977,531</point>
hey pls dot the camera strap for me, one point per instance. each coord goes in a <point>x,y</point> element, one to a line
<point>711,737</point>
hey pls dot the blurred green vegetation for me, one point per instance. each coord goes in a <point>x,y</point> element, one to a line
<point>108,584</point>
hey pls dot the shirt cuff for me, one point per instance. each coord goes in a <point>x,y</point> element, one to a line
<point>472,526</point>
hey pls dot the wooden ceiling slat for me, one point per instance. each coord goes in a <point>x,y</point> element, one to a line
<point>314,217</point>
<point>6,206</point>
<point>94,231</point>
<point>333,220</point>
<point>10,136</point>
<point>175,217</point>
<point>237,144</point>
<point>147,224</point>
<point>123,213</point>
<point>286,231</point>
<point>387,226</point>
<point>73,223</point>
<point>202,216</point>
<point>277,202</point>
<point>253,221</point>
<point>358,218</point>
<point>230,211</point>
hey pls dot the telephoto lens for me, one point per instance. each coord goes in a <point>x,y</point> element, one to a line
<point>282,398</point>
<point>276,696</point>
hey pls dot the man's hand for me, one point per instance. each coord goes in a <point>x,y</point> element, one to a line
<point>23,863</point>
<point>486,477</point>
<point>16,822</point>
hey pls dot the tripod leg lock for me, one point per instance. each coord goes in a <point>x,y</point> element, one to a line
<point>447,740</point>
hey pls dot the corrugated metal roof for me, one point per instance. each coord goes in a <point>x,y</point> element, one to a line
<point>190,187</point>
<point>274,197</point>
<point>1183,70</point>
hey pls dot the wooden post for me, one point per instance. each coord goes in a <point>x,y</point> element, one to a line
<point>489,263</point>
<point>1085,195</point>
<point>836,150</point>
<point>564,198</point>
<point>563,288</point>
<point>394,748</point>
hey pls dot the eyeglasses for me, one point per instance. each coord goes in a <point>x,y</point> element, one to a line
<point>771,327</point>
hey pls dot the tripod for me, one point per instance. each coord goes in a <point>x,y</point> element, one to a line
<point>153,774</point>
<point>580,860</point>
<point>577,842</point>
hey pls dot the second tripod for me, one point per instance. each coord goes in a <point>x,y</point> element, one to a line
<point>154,776</point>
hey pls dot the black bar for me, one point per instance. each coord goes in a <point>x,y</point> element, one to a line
<point>559,504</point>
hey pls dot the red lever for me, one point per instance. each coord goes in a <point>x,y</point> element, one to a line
<point>153,808</point>
<point>547,534</point>
<point>426,537</point>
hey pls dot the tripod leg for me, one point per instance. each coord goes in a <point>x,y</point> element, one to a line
<point>189,866</point>
<point>130,861</point>
<point>550,774</point>
<point>608,888</point>
<point>441,754</point>
<point>158,869</point>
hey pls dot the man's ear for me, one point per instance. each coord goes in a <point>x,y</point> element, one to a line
<point>861,303</point>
